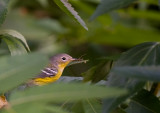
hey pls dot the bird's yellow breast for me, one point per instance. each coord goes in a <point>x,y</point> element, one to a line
<point>46,80</point>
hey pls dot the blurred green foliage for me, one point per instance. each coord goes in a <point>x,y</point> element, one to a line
<point>114,71</point>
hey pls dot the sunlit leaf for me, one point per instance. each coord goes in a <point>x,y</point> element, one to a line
<point>68,9</point>
<point>109,5</point>
<point>17,69</point>
<point>15,41</point>
<point>62,92</point>
<point>15,46</point>
<point>15,34</point>
<point>145,54</point>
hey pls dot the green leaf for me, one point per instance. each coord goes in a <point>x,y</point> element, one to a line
<point>109,5</point>
<point>56,109</point>
<point>31,27</point>
<point>15,41</point>
<point>92,106</point>
<point>28,108</point>
<point>78,107</point>
<point>120,35</point>
<point>88,106</point>
<point>15,46</point>
<point>148,73</point>
<point>62,92</point>
<point>3,10</point>
<point>36,107</point>
<point>144,101</point>
<point>101,70</point>
<point>68,9</point>
<point>50,25</point>
<point>145,14</point>
<point>145,54</point>
<point>136,108</point>
<point>17,69</point>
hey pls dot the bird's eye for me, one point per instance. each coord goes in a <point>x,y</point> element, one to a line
<point>63,58</point>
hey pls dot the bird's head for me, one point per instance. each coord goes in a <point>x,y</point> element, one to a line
<point>62,60</point>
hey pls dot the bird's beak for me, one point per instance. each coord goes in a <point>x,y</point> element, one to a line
<point>77,61</point>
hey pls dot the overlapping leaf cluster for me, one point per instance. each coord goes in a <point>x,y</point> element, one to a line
<point>116,85</point>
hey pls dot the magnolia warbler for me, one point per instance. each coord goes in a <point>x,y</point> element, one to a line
<point>54,70</point>
<point>50,74</point>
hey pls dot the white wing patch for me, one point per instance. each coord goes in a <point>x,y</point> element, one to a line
<point>46,72</point>
<point>49,71</point>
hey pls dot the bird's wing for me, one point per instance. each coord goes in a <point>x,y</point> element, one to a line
<point>47,72</point>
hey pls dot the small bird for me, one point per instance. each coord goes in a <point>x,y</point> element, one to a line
<point>50,74</point>
<point>54,70</point>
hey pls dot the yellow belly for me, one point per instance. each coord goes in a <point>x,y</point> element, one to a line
<point>46,80</point>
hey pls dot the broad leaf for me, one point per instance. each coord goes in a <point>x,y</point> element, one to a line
<point>36,107</point>
<point>98,72</point>
<point>17,69</point>
<point>144,102</point>
<point>28,108</point>
<point>136,108</point>
<point>15,46</point>
<point>68,9</point>
<point>3,10</point>
<point>109,5</point>
<point>92,106</point>
<point>88,106</point>
<point>56,109</point>
<point>78,107</point>
<point>150,73</point>
<point>15,41</point>
<point>62,92</point>
<point>121,36</point>
<point>145,54</point>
